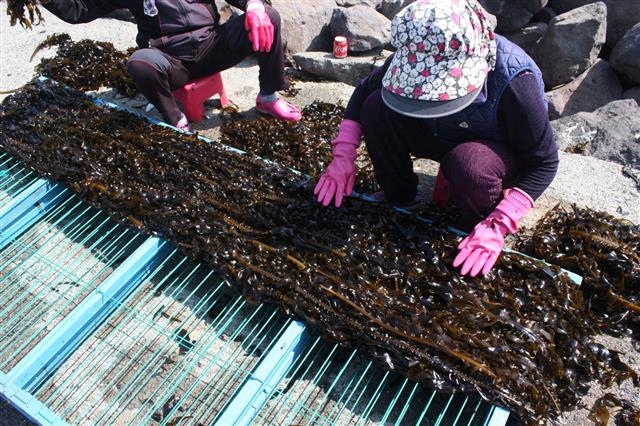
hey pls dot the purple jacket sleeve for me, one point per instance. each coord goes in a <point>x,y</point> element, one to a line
<point>524,123</point>
<point>81,11</point>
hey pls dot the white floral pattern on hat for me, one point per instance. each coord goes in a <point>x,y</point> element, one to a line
<point>444,50</point>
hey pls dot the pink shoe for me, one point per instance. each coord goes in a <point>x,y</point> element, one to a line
<point>279,109</point>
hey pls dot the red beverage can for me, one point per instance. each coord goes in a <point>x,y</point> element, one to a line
<point>340,47</point>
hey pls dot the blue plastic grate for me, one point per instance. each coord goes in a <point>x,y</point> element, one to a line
<point>51,268</point>
<point>176,350</point>
<point>329,385</point>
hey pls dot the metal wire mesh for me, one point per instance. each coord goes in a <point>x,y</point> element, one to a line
<point>331,385</point>
<point>175,351</point>
<point>14,177</point>
<point>50,268</point>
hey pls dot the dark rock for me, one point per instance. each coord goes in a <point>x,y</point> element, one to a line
<point>609,133</point>
<point>625,57</point>
<point>528,37</point>
<point>513,14</point>
<point>596,87</point>
<point>571,44</point>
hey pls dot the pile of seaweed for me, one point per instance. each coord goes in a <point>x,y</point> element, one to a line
<point>87,64</point>
<point>605,251</point>
<point>363,275</point>
<point>304,146</point>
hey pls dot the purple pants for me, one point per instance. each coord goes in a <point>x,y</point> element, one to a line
<point>157,74</point>
<point>477,171</point>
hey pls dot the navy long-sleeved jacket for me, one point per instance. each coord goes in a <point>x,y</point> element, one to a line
<point>178,29</point>
<point>521,122</point>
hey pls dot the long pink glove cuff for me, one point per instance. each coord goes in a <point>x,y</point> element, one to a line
<point>514,205</point>
<point>254,5</point>
<point>345,150</point>
<point>481,248</point>
<point>349,132</point>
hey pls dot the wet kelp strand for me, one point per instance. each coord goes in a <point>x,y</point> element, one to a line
<point>16,10</point>
<point>304,146</point>
<point>364,275</point>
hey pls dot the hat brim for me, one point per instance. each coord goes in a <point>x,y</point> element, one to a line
<point>428,109</point>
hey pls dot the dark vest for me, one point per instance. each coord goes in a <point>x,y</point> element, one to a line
<point>480,119</point>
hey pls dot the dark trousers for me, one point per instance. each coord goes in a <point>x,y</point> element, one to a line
<point>477,171</point>
<point>157,74</point>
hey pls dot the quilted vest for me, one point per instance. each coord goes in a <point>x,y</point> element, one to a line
<point>480,119</point>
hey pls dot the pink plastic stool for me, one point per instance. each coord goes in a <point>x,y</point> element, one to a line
<point>195,92</point>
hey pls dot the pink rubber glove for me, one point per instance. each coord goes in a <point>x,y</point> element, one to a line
<point>480,249</point>
<point>340,175</point>
<point>259,26</point>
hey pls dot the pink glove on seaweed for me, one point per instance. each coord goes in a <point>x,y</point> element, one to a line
<point>259,26</point>
<point>480,249</point>
<point>340,176</point>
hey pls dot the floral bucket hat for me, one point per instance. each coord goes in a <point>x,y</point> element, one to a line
<point>445,50</point>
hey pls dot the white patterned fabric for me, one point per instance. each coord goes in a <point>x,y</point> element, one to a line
<point>445,48</point>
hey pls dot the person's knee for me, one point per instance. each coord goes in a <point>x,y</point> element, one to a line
<point>144,64</point>
<point>274,15</point>
<point>473,166</point>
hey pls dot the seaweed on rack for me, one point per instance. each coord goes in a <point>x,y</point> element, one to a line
<point>16,10</point>
<point>305,146</point>
<point>605,251</point>
<point>364,275</point>
<point>87,65</point>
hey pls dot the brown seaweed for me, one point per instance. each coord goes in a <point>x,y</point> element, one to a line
<point>52,40</point>
<point>626,413</point>
<point>304,146</point>
<point>605,251</point>
<point>364,275</point>
<point>16,11</point>
<point>87,65</point>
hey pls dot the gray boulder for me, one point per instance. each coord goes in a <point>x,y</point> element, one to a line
<point>625,57</point>
<point>563,6</point>
<point>621,15</point>
<point>513,14</point>
<point>571,44</point>
<point>596,87</point>
<point>389,8</point>
<point>609,133</point>
<point>364,27</point>
<point>305,25</point>
<point>349,70</point>
<point>633,93</point>
<point>528,37</point>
